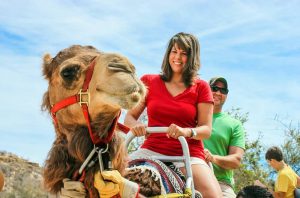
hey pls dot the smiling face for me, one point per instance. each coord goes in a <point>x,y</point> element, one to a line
<point>177,59</point>
<point>219,98</point>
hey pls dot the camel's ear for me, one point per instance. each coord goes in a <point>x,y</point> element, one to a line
<point>47,66</point>
<point>46,102</point>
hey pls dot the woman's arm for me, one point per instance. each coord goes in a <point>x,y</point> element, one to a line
<point>204,124</point>
<point>131,119</point>
<point>204,121</point>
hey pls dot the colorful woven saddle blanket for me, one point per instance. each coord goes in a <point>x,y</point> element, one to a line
<point>155,177</point>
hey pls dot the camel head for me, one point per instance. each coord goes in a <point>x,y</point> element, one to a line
<point>112,85</point>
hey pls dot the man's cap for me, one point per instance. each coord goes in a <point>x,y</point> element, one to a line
<point>213,81</point>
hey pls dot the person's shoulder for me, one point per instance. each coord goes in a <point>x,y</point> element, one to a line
<point>231,118</point>
<point>149,79</point>
<point>288,169</point>
<point>150,76</point>
<point>199,81</point>
<point>285,172</point>
<point>201,84</point>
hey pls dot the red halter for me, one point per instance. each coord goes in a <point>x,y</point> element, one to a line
<point>79,98</point>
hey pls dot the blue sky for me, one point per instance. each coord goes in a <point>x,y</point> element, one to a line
<point>254,44</point>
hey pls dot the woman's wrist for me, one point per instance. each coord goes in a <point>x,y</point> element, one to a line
<point>193,133</point>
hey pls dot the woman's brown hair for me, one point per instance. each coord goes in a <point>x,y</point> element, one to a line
<point>190,44</point>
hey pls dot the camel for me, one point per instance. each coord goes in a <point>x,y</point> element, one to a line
<point>86,92</point>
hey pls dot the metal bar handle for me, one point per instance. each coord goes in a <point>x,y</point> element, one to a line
<point>156,129</point>
<point>130,135</point>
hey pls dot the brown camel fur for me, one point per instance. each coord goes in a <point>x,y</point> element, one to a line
<point>113,86</point>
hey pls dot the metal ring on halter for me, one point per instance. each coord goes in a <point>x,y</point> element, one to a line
<point>100,160</point>
<point>106,149</point>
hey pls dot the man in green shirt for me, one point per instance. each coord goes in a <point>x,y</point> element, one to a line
<point>226,145</point>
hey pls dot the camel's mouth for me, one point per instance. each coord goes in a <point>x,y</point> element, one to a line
<point>131,92</point>
<point>125,98</point>
<point>133,98</point>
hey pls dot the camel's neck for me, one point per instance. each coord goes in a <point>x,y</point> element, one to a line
<point>101,126</point>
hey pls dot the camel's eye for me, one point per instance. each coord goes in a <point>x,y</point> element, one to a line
<point>70,73</point>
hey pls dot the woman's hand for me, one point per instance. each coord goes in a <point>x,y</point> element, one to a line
<point>139,130</point>
<point>175,131</point>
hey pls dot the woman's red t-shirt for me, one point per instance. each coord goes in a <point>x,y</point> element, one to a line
<point>163,109</point>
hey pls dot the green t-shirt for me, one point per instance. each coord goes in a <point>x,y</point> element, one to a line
<point>227,131</point>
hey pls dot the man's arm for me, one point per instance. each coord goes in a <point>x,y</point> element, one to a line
<point>231,161</point>
<point>298,182</point>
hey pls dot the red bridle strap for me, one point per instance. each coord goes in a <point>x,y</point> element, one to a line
<point>123,128</point>
<point>84,106</point>
<point>88,76</point>
<point>62,104</point>
<point>95,138</point>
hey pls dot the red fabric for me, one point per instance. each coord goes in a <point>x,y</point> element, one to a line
<point>163,109</point>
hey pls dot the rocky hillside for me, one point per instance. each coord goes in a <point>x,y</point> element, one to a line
<point>23,179</point>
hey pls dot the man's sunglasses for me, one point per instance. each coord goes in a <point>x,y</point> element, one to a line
<point>222,90</point>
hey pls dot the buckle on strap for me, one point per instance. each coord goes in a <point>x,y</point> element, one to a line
<point>84,97</point>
